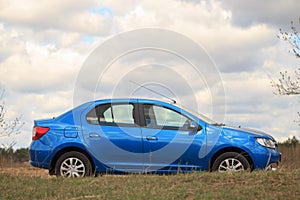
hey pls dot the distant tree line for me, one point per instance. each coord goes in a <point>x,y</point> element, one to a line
<point>290,142</point>
<point>14,156</point>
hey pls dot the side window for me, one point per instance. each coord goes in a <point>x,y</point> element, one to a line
<point>165,118</point>
<point>107,116</point>
<point>112,114</point>
<point>123,114</point>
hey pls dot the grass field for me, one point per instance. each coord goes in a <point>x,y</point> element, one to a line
<point>36,184</point>
<point>25,182</point>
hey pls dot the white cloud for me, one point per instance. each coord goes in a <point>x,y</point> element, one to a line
<point>44,44</point>
<point>40,69</point>
<point>11,42</point>
<point>277,15</point>
<point>71,16</point>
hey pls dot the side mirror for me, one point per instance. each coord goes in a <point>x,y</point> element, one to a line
<point>194,126</point>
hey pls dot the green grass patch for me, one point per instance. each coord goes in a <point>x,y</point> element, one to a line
<point>282,184</point>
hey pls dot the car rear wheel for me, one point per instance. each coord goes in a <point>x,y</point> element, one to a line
<point>231,162</point>
<point>73,164</point>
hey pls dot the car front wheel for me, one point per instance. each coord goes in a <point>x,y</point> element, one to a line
<point>231,162</point>
<point>73,164</point>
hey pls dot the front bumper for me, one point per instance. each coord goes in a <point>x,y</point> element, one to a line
<point>275,165</point>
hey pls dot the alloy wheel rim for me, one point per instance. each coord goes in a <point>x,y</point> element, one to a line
<point>231,165</point>
<point>72,167</point>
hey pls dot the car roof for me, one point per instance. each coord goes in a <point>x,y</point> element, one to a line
<point>132,100</point>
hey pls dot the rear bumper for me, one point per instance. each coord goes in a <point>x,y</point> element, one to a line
<point>40,155</point>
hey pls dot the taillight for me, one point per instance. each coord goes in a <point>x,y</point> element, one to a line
<point>38,132</point>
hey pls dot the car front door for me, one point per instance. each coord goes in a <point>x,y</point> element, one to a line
<point>171,140</point>
<point>112,134</point>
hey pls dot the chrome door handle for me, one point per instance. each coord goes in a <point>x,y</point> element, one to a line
<point>151,138</point>
<point>94,135</point>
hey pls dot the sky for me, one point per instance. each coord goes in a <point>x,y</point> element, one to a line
<point>47,56</point>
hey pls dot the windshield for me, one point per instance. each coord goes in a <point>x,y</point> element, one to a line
<point>200,116</point>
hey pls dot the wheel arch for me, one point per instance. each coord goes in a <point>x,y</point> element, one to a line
<point>65,150</point>
<point>230,149</point>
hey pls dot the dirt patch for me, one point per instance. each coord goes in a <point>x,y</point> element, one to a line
<point>25,170</point>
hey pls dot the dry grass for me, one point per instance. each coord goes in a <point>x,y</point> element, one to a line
<point>290,156</point>
<point>36,184</point>
<point>24,170</point>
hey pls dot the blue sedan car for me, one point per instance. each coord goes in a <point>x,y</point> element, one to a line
<point>141,136</point>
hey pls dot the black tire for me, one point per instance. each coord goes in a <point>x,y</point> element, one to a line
<point>231,162</point>
<point>73,164</point>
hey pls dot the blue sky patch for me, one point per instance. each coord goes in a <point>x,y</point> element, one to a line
<point>88,39</point>
<point>103,11</point>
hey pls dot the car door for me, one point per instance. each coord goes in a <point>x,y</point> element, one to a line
<point>171,140</point>
<point>112,134</point>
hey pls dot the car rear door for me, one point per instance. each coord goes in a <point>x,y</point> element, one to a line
<point>112,134</point>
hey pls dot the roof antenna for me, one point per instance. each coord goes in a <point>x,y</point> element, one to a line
<point>155,92</point>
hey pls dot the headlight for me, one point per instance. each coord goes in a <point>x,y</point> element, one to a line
<point>266,142</point>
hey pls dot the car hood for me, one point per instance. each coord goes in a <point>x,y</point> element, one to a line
<point>247,130</point>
